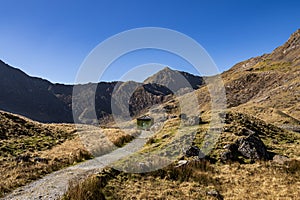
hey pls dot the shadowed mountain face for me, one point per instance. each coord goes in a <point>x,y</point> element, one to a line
<point>32,97</point>
<point>44,101</point>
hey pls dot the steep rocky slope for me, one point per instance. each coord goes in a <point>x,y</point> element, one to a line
<point>266,86</point>
<point>31,97</point>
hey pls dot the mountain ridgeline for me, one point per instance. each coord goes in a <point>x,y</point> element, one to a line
<point>268,86</point>
<point>43,101</point>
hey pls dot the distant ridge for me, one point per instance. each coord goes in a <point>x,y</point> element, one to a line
<point>43,101</point>
<point>31,97</point>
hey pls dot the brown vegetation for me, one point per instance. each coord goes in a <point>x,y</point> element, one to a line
<point>196,180</point>
<point>30,150</point>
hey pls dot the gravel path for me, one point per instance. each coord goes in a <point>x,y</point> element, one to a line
<point>54,185</point>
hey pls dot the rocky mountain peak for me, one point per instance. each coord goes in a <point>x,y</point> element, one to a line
<point>293,42</point>
<point>289,51</point>
<point>175,80</point>
<point>166,68</point>
<point>295,36</point>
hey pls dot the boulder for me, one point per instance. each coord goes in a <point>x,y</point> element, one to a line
<point>192,121</point>
<point>192,151</point>
<point>181,163</point>
<point>40,160</point>
<point>280,159</point>
<point>227,156</point>
<point>250,147</point>
<point>215,194</point>
<point>253,148</point>
<point>183,116</point>
<point>230,153</point>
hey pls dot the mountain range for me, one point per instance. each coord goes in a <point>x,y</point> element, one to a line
<point>266,86</point>
<point>43,101</point>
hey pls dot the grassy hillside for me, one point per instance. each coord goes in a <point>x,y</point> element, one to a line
<point>208,178</point>
<point>266,86</point>
<point>30,150</point>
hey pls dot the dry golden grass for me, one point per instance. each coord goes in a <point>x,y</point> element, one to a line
<point>258,181</point>
<point>30,150</point>
<point>119,137</point>
<point>18,173</point>
<point>155,188</point>
<point>191,182</point>
<point>262,180</point>
<point>100,141</point>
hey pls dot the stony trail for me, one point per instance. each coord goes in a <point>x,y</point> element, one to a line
<point>54,185</point>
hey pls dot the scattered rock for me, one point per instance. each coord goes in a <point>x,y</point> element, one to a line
<point>165,136</point>
<point>249,147</point>
<point>40,160</point>
<point>172,116</point>
<point>253,148</point>
<point>192,151</point>
<point>192,121</point>
<point>181,163</point>
<point>275,141</point>
<point>215,193</point>
<point>226,129</point>
<point>183,116</point>
<point>170,108</point>
<point>280,159</point>
<point>23,158</point>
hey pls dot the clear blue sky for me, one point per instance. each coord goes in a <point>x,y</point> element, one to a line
<point>50,39</point>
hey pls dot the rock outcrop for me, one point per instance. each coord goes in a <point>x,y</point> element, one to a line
<point>250,147</point>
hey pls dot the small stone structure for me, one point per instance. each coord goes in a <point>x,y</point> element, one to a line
<point>144,122</point>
